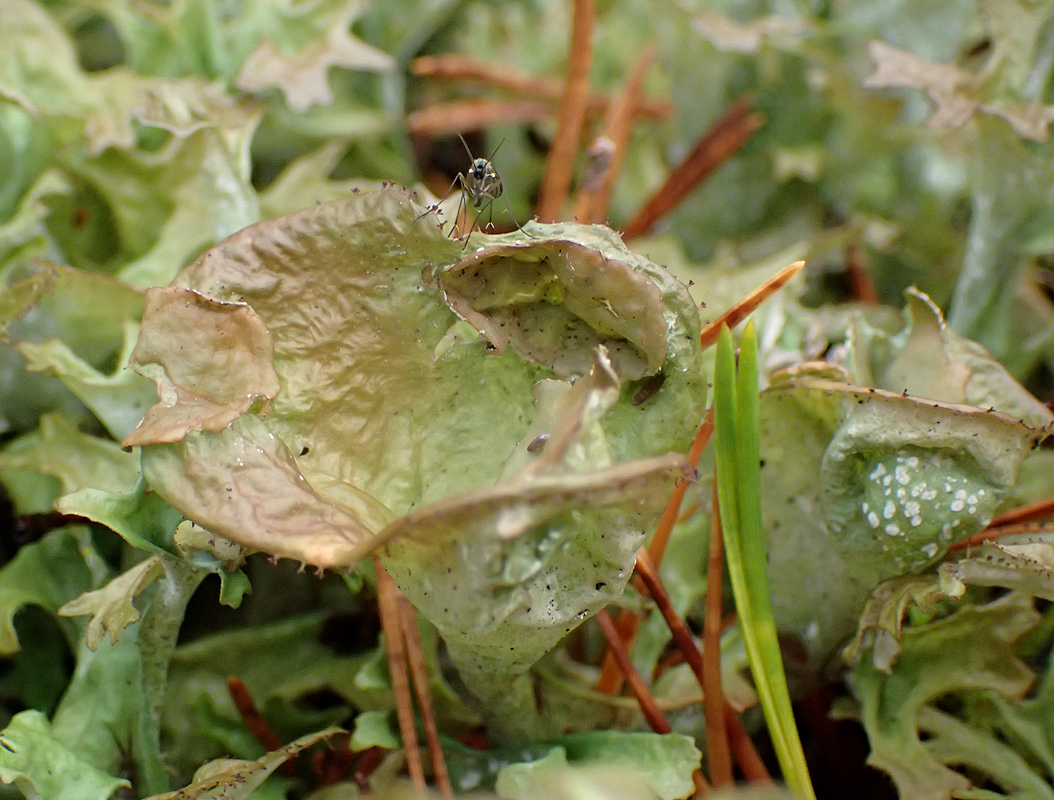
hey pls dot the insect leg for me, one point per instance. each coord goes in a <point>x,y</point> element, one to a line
<point>519,227</point>
<point>435,207</point>
<point>476,220</point>
<point>455,224</point>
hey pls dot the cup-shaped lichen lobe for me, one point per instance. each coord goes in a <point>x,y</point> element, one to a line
<point>393,423</point>
<point>556,300</point>
<point>900,480</point>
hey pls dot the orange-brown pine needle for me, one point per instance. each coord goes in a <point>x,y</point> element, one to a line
<point>861,287</point>
<point>745,307</point>
<point>365,765</point>
<point>610,681</point>
<point>702,788</point>
<point>1024,519</point>
<point>391,624</point>
<point>608,150</point>
<point>993,532</point>
<point>713,694</point>
<point>419,676</point>
<point>1029,513</point>
<point>655,718</point>
<point>446,119</point>
<point>611,677</point>
<point>657,548</point>
<point>717,748</point>
<point>690,511</point>
<point>747,756</point>
<point>457,68</point>
<point>333,766</point>
<point>560,163</point>
<point>707,669</point>
<point>724,139</point>
<point>256,722</point>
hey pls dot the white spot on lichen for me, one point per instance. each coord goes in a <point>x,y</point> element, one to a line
<point>916,521</point>
<point>929,494</point>
<point>892,529</point>
<point>930,549</point>
<point>877,472</point>
<point>872,519</point>
<point>902,475</point>
<point>913,461</point>
<point>911,509</point>
<point>957,505</point>
<point>889,509</point>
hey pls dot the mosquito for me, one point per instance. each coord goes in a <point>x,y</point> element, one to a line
<point>481,184</point>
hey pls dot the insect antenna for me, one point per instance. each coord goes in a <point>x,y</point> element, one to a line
<point>472,158</point>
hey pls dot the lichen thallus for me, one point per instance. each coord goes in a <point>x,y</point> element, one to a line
<point>480,184</point>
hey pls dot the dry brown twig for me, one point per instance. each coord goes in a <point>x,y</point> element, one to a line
<point>721,142</point>
<point>560,162</point>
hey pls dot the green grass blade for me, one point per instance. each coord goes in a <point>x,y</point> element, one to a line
<point>725,430</point>
<point>739,495</point>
